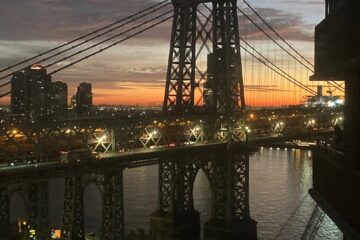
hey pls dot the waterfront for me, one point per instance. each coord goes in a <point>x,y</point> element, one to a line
<point>279,180</point>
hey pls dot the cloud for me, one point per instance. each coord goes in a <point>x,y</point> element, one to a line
<point>132,65</point>
<point>61,19</point>
<point>290,26</point>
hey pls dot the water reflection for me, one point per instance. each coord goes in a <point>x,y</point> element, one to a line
<point>279,202</point>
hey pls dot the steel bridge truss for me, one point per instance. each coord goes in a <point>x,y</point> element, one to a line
<point>193,32</point>
<point>111,188</point>
<point>44,143</point>
<point>228,177</point>
<point>35,200</point>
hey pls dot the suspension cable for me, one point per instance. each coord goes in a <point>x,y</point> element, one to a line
<point>90,39</point>
<point>83,36</point>
<point>5,94</point>
<point>273,66</point>
<point>277,34</point>
<point>113,37</point>
<point>108,39</point>
<point>111,45</point>
<point>284,76</point>
<point>287,43</point>
<point>279,45</point>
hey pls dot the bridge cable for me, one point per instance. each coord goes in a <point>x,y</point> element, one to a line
<point>94,37</point>
<point>284,76</point>
<point>276,33</point>
<point>106,40</point>
<point>92,46</point>
<point>111,45</point>
<point>303,86</point>
<point>82,36</point>
<point>286,42</point>
<point>5,94</point>
<point>252,21</point>
<point>283,73</point>
<point>124,39</point>
<point>289,53</point>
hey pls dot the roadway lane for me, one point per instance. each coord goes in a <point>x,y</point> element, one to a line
<point>107,162</point>
<point>134,158</point>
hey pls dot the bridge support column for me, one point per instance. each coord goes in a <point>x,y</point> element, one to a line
<point>38,210</point>
<point>73,216</point>
<point>176,217</point>
<point>113,207</point>
<point>4,212</point>
<point>231,214</point>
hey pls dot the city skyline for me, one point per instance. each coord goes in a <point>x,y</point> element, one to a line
<point>135,71</point>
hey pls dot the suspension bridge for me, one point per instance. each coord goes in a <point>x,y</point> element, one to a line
<point>209,121</point>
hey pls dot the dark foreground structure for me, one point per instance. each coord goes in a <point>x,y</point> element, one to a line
<point>336,186</point>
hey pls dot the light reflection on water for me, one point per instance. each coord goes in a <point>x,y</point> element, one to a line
<point>279,181</point>
<point>279,202</point>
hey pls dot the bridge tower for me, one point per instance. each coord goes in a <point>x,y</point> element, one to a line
<point>226,78</point>
<point>176,217</point>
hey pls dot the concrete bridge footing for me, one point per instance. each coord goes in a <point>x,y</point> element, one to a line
<point>235,230</point>
<point>184,225</point>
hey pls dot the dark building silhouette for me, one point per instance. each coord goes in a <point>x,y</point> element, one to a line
<point>336,176</point>
<point>84,98</point>
<point>58,94</point>
<point>36,97</point>
<point>18,93</point>
<point>29,89</point>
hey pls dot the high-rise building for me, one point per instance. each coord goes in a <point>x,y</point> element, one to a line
<point>29,90</point>
<point>36,97</point>
<point>84,98</point>
<point>57,96</point>
<point>18,93</point>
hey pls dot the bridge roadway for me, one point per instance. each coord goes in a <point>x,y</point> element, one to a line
<point>134,158</point>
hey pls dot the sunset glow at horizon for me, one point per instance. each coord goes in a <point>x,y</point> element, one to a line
<point>134,72</point>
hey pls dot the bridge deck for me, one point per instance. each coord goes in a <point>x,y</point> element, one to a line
<point>134,158</point>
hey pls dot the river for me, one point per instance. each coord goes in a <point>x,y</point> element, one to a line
<point>279,202</point>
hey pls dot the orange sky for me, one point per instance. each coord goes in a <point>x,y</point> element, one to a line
<point>134,72</point>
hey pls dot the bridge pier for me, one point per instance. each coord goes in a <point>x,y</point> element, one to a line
<point>111,186</point>
<point>184,225</point>
<point>113,207</point>
<point>176,217</point>
<point>231,213</point>
<point>38,210</point>
<point>234,230</point>
<point>73,216</point>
